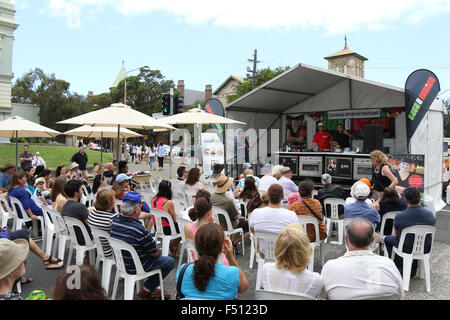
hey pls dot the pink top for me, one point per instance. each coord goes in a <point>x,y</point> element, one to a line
<point>194,231</point>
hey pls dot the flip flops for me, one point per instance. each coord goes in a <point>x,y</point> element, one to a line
<point>53,265</point>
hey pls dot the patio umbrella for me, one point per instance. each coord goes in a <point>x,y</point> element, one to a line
<point>118,115</point>
<point>101,132</point>
<point>18,127</point>
<point>197,116</point>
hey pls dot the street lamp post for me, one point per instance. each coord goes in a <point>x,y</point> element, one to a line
<point>144,68</point>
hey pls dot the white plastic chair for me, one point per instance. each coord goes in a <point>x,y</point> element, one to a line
<point>334,218</point>
<point>252,250</point>
<point>190,197</point>
<point>159,214</point>
<point>25,217</point>
<point>100,237</point>
<point>304,221</point>
<point>420,233</point>
<point>87,197</point>
<point>72,225</point>
<point>62,234</point>
<point>181,223</point>
<point>49,229</point>
<point>130,279</point>
<point>216,211</point>
<point>261,294</point>
<point>6,214</point>
<point>268,239</point>
<point>388,216</point>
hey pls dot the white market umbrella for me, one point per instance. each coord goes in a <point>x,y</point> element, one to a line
<point>101,132</point>
<point>118,115</point>
<point>198,116</point>
<point>18,127</point>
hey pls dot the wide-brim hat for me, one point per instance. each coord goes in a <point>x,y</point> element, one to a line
<point>73,165</point>
<point>12,255</point>
<point>223,183</point>
<point>6,167</point>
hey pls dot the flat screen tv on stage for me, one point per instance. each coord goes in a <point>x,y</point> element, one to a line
<point>339,167</point>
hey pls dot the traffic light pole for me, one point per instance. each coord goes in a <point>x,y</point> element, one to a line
<point>170,132</point>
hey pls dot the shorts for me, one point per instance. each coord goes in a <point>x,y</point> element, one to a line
<point>19,234</point>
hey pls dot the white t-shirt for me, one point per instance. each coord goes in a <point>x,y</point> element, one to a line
<point>266,181</point>
<point>271,219</point>
<point>151,152</point>
<point>361,274</point>
<point>40,162</point>
<point>138,150</point>
<point>353,200</point>
<point>305,283</point>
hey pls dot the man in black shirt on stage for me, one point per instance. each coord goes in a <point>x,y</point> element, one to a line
<point>341,138</point>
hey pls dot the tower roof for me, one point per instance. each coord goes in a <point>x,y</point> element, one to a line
<point>345,52</point>
<point>122,74</point>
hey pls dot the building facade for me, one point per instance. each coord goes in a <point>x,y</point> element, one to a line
<point>346,61</point>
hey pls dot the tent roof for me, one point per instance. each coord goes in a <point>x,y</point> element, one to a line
<point>305,88</point>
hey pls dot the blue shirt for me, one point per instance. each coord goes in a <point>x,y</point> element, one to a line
<point>413,216</point>
<point>4,180</point>
<point>133,232</point>
<point>161,152</point>
<point>24,196</point>
<point>288,185</point>
<point>223,285</point>
<point>242,181</point>
<point>361,209</point>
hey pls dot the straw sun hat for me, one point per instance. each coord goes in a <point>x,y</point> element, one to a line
<point>12,255</point>
<point>222,183</point>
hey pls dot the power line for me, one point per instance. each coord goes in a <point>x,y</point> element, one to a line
<point>253,72</point>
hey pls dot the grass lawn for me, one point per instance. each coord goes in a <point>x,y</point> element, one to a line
<point>52,155</point>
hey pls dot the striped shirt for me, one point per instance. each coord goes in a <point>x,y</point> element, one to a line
<point>133,232</point>
<point>102,220</point>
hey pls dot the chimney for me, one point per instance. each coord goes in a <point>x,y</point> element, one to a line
<point>180,87</point>
<point>208,92</point>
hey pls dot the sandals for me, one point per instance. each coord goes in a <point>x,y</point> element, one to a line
<point>53,265</point>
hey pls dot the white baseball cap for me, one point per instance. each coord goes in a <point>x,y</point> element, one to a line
<point>360,190</point>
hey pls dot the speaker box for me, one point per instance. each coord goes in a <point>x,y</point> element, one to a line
<point>373,138</point>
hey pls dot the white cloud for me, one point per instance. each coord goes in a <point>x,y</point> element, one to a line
<point>333,16</point>
<point>19,4</point>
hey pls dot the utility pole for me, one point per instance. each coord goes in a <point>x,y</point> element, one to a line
<point>253,72</point>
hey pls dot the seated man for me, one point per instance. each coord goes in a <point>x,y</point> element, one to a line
<point>5,177</point>
<point>128,228</point>
<point>360,208</point>
<point>286,181</point>
<point>221,200</point>
<point>414,215</point>
<point>73,208</point>
<point>330,190</point>
<point>361,274</point>
<point>109,173</point>
<point>268,179</point>
<point>182,175</point>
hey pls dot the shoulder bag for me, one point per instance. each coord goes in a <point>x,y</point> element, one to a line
<point>180,295</point>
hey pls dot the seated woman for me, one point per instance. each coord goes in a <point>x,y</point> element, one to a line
<point>17,190</point>
<point>310,207</point>
<point>99,183</point>
<point>208,279</point>
<point>163,201</point>
<point>250,193</point>
<point>240,185</point>
<point>46,173</point>
<point>192,182</point>
<point>74,172</point>
<point>201,214</point>
<point>102,215</point>
<point>58,197</point>
<point>390,201</point>
<point>29,171</point>
<point>60,171</point>
<point>288,274</point>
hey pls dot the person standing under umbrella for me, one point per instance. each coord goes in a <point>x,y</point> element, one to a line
<point>25,158</point>
<point>161,152</point>
<point>82,159</point>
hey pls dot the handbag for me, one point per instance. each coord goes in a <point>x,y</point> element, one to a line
<point>180,295</point>
<point>322,228</point>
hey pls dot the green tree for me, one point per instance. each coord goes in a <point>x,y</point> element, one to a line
<point>263,76</point>
<point>447,119</point>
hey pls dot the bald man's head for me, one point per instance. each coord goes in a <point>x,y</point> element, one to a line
<point>109,167</point>
<point>360,232</point>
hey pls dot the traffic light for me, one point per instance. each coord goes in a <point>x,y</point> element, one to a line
<point>166,104</point>
<point>177,105</point>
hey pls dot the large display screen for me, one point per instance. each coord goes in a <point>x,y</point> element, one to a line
<point>339,167</point>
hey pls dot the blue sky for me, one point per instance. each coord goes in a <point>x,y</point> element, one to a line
<point>203,42</point>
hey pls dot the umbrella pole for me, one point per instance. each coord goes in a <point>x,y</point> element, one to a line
<point>118,143</point>
<point>17,147</point>
<point>101,148</point>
